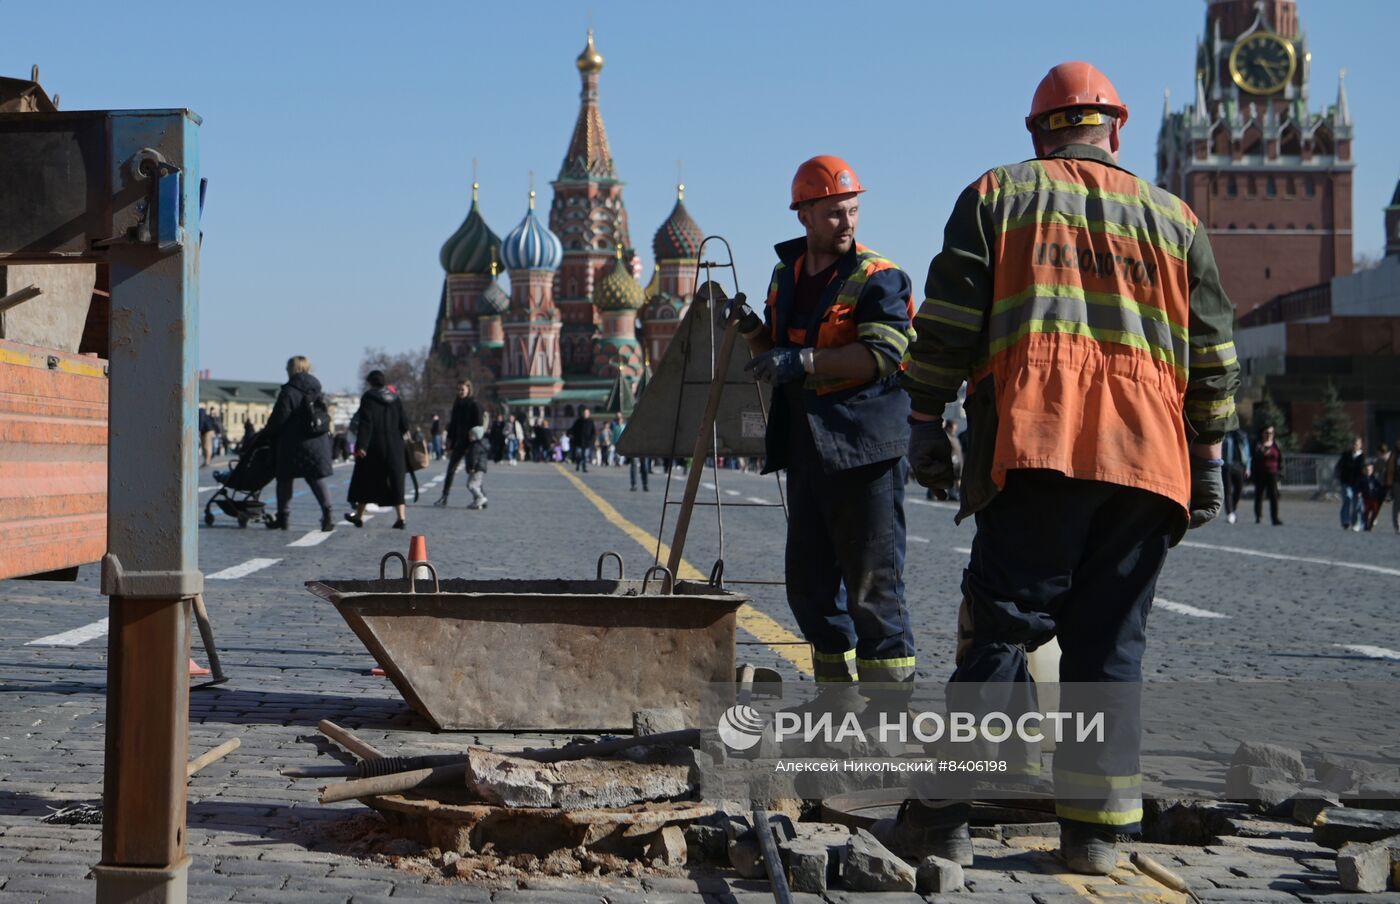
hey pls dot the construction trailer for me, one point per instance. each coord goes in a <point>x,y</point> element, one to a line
<point>110,195</point>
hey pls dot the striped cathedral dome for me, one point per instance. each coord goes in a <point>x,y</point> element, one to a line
<point>531,246</point>
<point>494,300</point>
<point>680,236</point>
<point>470,248</point>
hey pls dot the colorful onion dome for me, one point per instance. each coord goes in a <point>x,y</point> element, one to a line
<point>680,236</point>
<point>590,60</point>
<point>619,290</point>
<point>470,248</point>
<point>494,300</point>
<point>531,246</point>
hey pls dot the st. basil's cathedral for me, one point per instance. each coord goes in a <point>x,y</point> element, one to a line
<point>576,322</point>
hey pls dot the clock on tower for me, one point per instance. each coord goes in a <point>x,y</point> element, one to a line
<point>1269,177</point>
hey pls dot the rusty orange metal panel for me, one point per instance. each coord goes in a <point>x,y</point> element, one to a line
<point>53,459</point>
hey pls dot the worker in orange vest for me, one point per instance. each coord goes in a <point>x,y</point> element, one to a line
<point>1083,307</point>
<point>837,326</point>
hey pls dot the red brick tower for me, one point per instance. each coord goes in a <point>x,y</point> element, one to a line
<point>589,218</point>
<point>1269,177</point>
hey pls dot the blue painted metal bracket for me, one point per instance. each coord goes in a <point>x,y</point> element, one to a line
<point>167,211</point>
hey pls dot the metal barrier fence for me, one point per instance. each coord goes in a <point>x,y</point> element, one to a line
<point>1316,472</point>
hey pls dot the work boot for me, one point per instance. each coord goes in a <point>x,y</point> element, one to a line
<point>919,830</point>
<point>1088,850</point>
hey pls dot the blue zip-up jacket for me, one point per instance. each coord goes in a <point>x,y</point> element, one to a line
<point>869,301</point>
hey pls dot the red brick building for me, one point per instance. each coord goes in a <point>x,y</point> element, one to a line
<point>1269,176</point>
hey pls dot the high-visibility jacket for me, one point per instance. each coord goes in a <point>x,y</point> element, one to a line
<point>853,422</point>
<point>1083,306</point>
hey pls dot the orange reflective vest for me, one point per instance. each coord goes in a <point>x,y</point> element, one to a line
<point>1087,335</point>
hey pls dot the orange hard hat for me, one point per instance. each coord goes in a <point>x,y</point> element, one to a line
<point>822,176</point>
<point>1075,84</point>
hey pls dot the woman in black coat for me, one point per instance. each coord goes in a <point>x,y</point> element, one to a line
<point>379,451</point>
<point>301,452</point>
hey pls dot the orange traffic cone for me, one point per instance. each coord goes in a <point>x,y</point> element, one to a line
<point>417,554</point>
<point>197,670</point>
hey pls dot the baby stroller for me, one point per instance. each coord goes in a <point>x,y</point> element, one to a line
<point>237,495</point>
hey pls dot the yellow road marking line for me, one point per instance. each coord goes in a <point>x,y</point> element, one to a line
<point>762,627</point>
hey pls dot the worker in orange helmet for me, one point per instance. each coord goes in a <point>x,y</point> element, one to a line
<point>837,326</point>
<point>1083,307</point>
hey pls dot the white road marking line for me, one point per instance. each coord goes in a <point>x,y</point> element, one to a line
<point>965,550</point>
<point>1183,609</point>
<point>242,570</point>
<point>914,539</point>
<point>315,538</point>
<point>732,493</point>
<point>1375,569</point>
<point>207,489</point>
<point>1363,648</point>
<point>757,500</point>
<point>72,638</point>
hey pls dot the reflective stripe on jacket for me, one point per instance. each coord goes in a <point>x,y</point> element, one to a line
<point>1083,305</point>
<point>869,300</point>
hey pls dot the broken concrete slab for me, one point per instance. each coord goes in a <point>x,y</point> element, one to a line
<point>810,865</point>
<point>1271,756</point>
<point>573,784</point>
<point>1374,796</point>
<point>1263,787</point>
<point>1363,867</point>
<point>668,847</point>
<point>1308,805</point>
<point>936,875</point>
<point>870,866</point>
<point>657,721</point>
<point>1335,826</point>
<point>1187,821</point>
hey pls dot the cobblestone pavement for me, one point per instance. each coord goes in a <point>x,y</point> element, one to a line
<point>1303,601</point>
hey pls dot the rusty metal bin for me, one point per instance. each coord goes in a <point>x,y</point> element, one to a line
<point>542,654</point>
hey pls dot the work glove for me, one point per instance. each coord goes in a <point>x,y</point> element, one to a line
<point>931,456</point>
<point>1207,490</point>
<point>777,366</point>
<point>737,308</point>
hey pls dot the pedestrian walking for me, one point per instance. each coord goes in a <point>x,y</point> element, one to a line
<point>1389,479</point>
<point>206,437</point>
<point>250,433</point>
<point>1266,466</point>
<point>582,435</point>
<point>380,428</point>
<point>435,437</point>
<point>1348,474</point>
<point>496,437</point>
<point>299,428</point>
<point>542,439</point>
<point>615,430</point>
<point>515,440</point>
<point>1234,451</point>
<point>466,414</point>
<point>836,327</point>
<point>477,456</point>
<point>1079,472</point>
<point>1371,488</point>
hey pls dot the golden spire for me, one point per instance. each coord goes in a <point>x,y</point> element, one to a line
<point>680,180</point>
<point>590,60</point>
<point>476,186</point>
<point>532,189</point>
<point>495,267</point>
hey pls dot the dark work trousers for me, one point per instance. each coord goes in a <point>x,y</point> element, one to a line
<point>845,567</point>
<point>1233,478</point>
<point>284,494</point>
<point>1266,485</point>
<point>459,452</point>
<point>637,466</point>
<point>1077,560</point>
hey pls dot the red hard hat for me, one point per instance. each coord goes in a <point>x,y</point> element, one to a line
<point>822,176</point>
<point>1075,84</point>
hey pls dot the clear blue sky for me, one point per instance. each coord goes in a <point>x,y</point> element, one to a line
<point>338,137</point>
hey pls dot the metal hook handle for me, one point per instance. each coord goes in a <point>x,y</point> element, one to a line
<point>413,584</point>
<point>604,557</point>
<point>393,555</point>
<point>717,574</point>
<point>668,583</point>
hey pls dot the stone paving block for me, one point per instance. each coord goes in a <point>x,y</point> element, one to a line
<point>877,897</point>
<point>646,897</point>
<point>546,896</point>
<point>278,896</point>
<point>1245,896</point>
<point>234,866</point>
<point>329,884</point>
